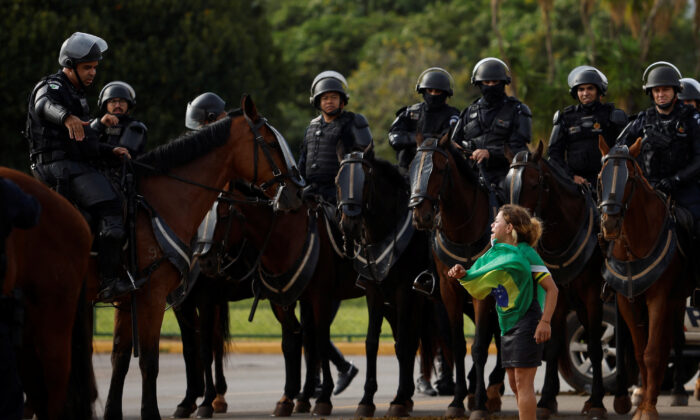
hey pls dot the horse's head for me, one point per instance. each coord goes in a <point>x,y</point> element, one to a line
<point>429,176</point>
<point>352,184</point>
<point>226,238</point>
<point>265,160</point>
<point>619,176</point>
<point>525,180</point>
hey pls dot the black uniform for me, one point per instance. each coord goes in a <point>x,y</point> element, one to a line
<point>66,164</point>
<point>419,118</point>
<point>324,146</point>
<point>573,144</point>
<point>129,133</point>
<point>491,126</point>
<point>670,155</point>
<point>21,210</point>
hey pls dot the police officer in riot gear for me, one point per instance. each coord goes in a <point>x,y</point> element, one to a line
<point>670,132</point>
<point>331,135</point>
<point>117,127</point>
<point>432,117</point>
<point>492,122</point>
<point>204,109</point>
<point>61,152</point>
<point>573,144</point>
<point>690,92</point>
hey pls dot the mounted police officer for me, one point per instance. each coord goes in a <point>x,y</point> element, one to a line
<point>116,127</point>
<point>60,152</point>
<point>573,144</point>
<point>492,122</point>
<point>690,92</point>
<point>670,132</point>
<point>331,135</point>
<point>204,109</point>
<point>432,117</point>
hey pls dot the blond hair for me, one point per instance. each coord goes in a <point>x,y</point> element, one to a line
<point>527,228</point>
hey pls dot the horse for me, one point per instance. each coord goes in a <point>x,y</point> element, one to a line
<point>374,216</point>
<point>446,197</point>
<point>644,264</point>
<point>569,248</point>
<point>180,183</point>
<point>48,264</point>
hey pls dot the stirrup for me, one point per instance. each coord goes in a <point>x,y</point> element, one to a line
<point>425,283</point>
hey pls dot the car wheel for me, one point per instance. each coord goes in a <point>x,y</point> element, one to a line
<point>575,365</point>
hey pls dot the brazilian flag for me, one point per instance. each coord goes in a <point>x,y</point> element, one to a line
<point>504,272</point>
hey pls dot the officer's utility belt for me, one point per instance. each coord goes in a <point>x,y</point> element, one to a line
<point>48,156</point>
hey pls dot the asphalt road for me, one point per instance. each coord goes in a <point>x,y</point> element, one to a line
<point>255,384</point>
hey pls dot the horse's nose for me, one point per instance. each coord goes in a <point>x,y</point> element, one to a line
<point>423,220</point>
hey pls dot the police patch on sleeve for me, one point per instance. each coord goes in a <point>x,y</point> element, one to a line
<point>54,86</point>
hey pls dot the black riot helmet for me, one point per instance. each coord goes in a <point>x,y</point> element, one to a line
<point>116,89</point>
<point>691,90</point>
<point>490,68</point>
<point>661,73</point>
<point>583,75</point>
<point>328,81</point>
<point>80,48</point>
<point>435,78</point>
<point>203,109</point>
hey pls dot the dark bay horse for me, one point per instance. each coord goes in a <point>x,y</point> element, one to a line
<point>242,145</point>
<point>446,197</point>
<point>569,248</point>
<point>373,203</point>
<point>49,264</point>
<point>644,264</point>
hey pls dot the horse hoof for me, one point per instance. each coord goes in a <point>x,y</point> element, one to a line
<point>397,410</point>
<point>586,408</point>
<point>637,396</point>
<point>479,415</point>
<point>543,413</point>
<point>597,413</point>
<point>493,398</point>
<point>471,402</point>
<point>302,406</point>
<point>649,414</point>
<point>679,400</point>
<point>623,404</point>
<point>220,405</point>
<point>182,412</point>
<point>322,409</point>
<point>365,410</point>
<point>283,409</point>
<point>205,412</point>
<point>409,405</point>
<point>453,412</point>
<point>637,414</point>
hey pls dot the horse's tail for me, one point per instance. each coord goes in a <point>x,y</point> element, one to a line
<point>224,325</point>
<point>82,387</point>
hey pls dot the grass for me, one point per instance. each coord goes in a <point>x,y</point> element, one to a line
<point>350,323</point>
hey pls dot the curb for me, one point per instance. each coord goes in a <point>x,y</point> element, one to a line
<point>266,347</point>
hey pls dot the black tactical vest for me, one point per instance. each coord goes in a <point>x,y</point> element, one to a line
<point>321,146</point>
<point>582,128</point>
<point>45,136</point>
<point>483,133</point>
<point>666,146</point>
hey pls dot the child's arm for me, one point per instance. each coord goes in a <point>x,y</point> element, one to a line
<point>544,329</point>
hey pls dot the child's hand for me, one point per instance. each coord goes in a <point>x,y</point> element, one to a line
<point>457,272</point>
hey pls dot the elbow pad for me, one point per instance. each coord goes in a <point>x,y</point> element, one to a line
<point>51,112</point>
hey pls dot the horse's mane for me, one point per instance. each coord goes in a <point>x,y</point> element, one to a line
<point>190,146</point>
<point>389,171</point>
<point>561,176</point>
<point>463,165</point>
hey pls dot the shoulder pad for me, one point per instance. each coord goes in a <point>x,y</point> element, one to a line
<point>618,116</point>
<point>316,120</point>
<point>360,121</point>
<point>137,125</point>
<point>525,110</point>
<point>569,109</point>
<point>415,107</point>
<point>556,118</point>
<point>401,111</point>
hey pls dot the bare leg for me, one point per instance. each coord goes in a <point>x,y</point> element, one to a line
<point>525,384</point>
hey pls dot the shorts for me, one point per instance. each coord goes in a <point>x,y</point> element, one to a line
<point>518,346</point>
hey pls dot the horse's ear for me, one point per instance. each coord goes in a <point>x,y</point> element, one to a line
<point>508,153</point>
<point>603,146</point>
<point>248,107</point>
<point>445,139</point>
<point>369,149</point>
<point>636,147</point>
<point>539,150</point>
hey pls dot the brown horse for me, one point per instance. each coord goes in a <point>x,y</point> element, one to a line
<point>241,145</point>
<point>644,264</point>
<point>446,196</point>
<point>569,248</point>
<point>49,265</point>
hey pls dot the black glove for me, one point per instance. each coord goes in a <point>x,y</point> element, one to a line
<point>667,185</point>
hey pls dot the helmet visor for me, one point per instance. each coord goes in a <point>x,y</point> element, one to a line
<point>79,45</point>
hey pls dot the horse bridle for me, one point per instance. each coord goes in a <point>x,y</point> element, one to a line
<point>514,179</point>
<point>620,159</point>
<point>421,176</point>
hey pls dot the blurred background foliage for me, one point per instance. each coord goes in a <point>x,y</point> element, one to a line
<point>170,51</point>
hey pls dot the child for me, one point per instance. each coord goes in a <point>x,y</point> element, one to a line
<point>510,271</point>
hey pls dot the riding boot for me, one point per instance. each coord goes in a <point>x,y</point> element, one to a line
<point>445,384</point>
<point>425,283</point>
<point>695,265</point>
<point>113,282</point>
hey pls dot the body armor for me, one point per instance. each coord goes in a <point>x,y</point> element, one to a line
<point>666,145</point>
<point>574,140</point>
<point>129,133</point>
